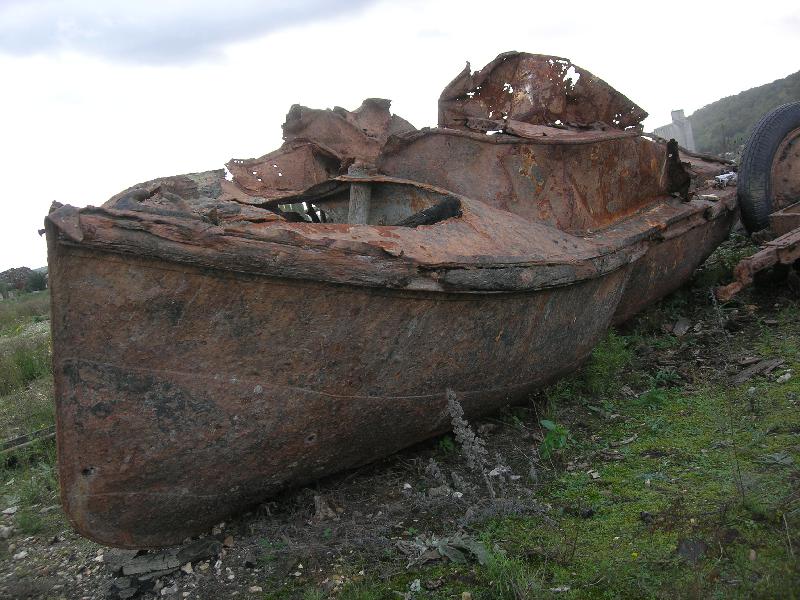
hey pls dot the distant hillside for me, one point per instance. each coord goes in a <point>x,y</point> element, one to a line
<point>22,279</point>
<point>725,124</point>
<point>16,278</point>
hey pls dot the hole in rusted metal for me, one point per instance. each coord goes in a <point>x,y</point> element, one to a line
<point>572,76</point>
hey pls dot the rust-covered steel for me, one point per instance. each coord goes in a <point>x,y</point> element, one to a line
<point>535,89</point>
<point>221,336</point>
<point>785,172</point>
<point>784,250</point>
<point>785,220</point>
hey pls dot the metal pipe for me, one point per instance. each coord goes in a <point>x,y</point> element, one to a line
<point>360,196</point>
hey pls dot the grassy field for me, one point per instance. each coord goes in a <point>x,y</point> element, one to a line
<point>666,481</point>
<point>28,475</point>
<point>651,473</point>
<point>657,475</point>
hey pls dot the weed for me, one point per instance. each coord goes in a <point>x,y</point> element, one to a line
<point>601,377</point>
<point>31,483</point>
<point>434,471</point>
<point>653,398</point>
<point>473,448</point>
<point>36,483</point>
<point>313,594</point>
<point>717,269</point>
<point>666,378</point>
<point>28,522</point>
<point>510,579</point>
<point>32,363</point>
<point>27,409</point>
<point>563,391</point>
<point>272,550</point>
<point>556,438</point>
<point>609,358</point>
<point>362,591</point>
<point>656,423</point>
<point>446,444</point>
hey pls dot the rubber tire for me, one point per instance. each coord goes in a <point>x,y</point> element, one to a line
<point>754,189</point>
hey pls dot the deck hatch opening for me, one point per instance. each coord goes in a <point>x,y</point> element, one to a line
<point>376,203</point>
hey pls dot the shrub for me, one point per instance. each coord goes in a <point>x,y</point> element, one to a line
<point>36,282</point>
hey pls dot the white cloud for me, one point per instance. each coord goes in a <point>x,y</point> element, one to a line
<point>160,32</point>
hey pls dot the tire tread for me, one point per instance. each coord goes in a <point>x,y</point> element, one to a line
<point>754,190</point>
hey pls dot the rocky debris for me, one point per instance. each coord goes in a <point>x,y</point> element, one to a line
<point>762,367</point>
<point>729,178</point>
<point>783,459</point>
<point>323,510</point>
<point>441,490</point>
<point>681,327</point>
<point>58,567</point>
<point>140,571</point>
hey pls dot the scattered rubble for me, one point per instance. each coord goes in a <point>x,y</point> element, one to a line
<point>762,367</point>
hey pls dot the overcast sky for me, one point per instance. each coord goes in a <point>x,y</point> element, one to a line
<point>98,95</point>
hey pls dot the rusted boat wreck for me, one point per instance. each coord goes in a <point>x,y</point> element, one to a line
<point>220,336</point>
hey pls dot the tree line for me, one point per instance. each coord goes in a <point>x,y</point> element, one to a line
<point>724,125</point>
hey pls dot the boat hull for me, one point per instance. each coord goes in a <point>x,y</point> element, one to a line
<point>185,394</point>
<point>670,263</point>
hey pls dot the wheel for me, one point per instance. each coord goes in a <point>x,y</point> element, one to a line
<point>766,177</point>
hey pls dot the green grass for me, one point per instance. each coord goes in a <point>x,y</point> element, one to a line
<point>600,376</point>
<point>27,409</point>
<point>24,340</point>
<point>22,310</point>
<point>28,476</point>
<point>719,266</point>
<point>23,360</point>
<point>704,466</point>
<point>698,478</point>
<point>598,381</point>
<point>29,480</point>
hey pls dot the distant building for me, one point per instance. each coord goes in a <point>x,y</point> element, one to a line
<point>680,130</point>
